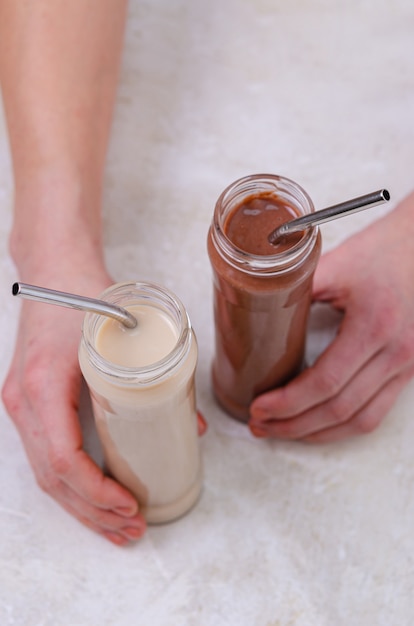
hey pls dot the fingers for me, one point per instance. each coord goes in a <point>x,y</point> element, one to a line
<point>74,468</point>
<point>117,528</point>
<point>79,485</point>
<point>372,348</point>
<point>349,352</point>
<point>42,401</point>
<point>72,478</point>
<point>331,411</point>
<point>358,406</point>
<point>365,420</point>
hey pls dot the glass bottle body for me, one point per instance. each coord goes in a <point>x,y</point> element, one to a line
<point>261,301</point>
<point>146,416</point>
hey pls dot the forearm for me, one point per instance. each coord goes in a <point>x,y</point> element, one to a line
<point>58,68</point>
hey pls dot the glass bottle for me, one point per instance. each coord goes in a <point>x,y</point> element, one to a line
<point>261,301</point>
<point>146,415</point>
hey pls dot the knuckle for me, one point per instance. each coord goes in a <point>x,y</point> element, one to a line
<point>12,397</point>
<point>59,462</point>
<point>288,429</point>
<point>48,482</point>
<point>26,385</point>
<point>50,473</point>
<point>340,410</point>
<point>101,517</point>
<point>366,423</point>
<point>403,353</point>
<point>383,324</point>
<point>327,383</point>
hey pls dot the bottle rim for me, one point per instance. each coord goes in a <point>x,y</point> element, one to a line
<point>150,294</point>
<point>249,186</point>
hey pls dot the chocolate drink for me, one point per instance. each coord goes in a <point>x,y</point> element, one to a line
<point>262,292</point>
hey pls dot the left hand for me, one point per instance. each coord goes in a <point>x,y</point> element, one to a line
<point>356,380</point>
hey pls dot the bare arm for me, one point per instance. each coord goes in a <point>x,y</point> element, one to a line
<point>58,69</point>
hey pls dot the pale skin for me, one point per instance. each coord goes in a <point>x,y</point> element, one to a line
<point>355,382</point>
<point>59,64</point>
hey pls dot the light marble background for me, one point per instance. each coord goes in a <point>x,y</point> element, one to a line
<point>285,534</point>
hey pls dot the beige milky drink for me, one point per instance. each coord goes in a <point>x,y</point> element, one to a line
<point>143,394</point>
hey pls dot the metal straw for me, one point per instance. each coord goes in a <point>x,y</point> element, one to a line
<point>330,213</point>
<point>41,294</point>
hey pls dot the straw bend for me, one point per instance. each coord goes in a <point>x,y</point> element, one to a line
<point>81,303</point>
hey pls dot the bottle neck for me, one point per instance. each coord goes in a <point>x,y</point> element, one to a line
<point>243,190</point>
<point>153,296</point>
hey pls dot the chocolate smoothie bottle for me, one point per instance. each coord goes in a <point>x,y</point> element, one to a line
<point>141,382</point>
<point>262,292</point>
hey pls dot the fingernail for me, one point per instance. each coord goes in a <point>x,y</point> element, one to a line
<point>126,511</point>
<point>202,424</point>
<point>257,430</point>
<point>134,532</point>
<point>118,540</point>
<point>260,410</point>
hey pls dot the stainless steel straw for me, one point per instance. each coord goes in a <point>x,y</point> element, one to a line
<point>61,298</point>
<point>330,213</point>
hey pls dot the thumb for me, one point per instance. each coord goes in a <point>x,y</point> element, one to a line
<point>329,282</point>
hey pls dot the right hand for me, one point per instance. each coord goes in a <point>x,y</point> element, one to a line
<point>354,383</point>
<point>41,394</point>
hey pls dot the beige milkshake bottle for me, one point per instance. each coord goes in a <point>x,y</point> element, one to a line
<point>142,387</point>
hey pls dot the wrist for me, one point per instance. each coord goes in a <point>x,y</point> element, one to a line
<point>57,223</point>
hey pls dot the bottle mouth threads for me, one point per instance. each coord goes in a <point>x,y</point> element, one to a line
<point>238,192</point>
<point>148,294</point>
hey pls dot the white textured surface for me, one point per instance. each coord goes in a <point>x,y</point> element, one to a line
<point>285,534</point>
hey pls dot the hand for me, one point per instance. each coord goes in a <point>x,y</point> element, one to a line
<point>355,382</point>
<point>41,393</point>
